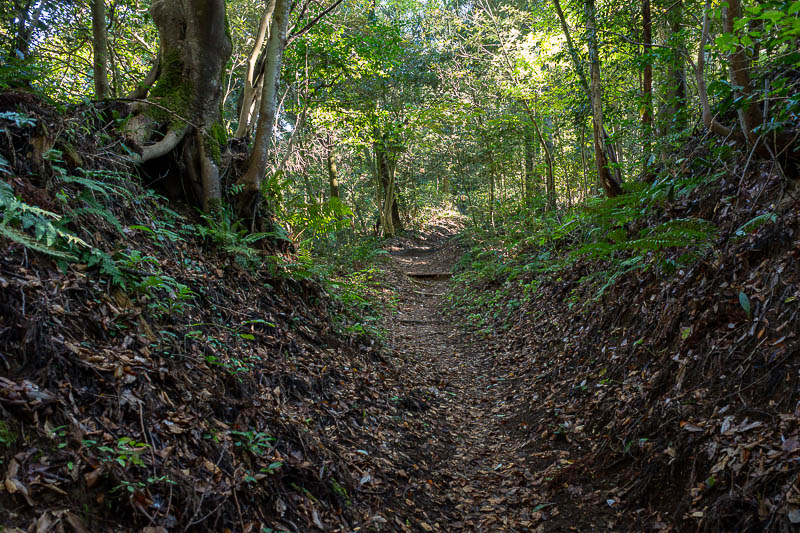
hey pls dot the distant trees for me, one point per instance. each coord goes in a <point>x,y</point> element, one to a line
<point>389,105</point>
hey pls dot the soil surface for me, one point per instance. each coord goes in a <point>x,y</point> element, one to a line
<point>476,474</point>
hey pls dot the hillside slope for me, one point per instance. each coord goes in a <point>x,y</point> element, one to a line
<point>156,370</point>
<point>655,342</point>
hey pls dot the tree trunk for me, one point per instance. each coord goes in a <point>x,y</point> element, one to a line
<point>492,185</point>
<point>187,82</point>
<point>607,179</point>
<point>247,202</point>
<point>674,117</point>
<point>708,120</point>
<point>647,88</point>
<point>333,172</point>
<point>529,140</point>
<point>26,25</point>
<point>249,100</point>
<point>592,89</point>
<point>739,63</point>
<point>583,158</point>
<point>550,182</point>
<point>388,210</point>
<point>100,45</point>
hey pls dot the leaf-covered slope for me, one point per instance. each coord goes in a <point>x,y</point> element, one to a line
<point>669,391</point>
<point>148,379</point>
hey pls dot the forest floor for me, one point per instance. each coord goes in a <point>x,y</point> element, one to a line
<point>477,474</point>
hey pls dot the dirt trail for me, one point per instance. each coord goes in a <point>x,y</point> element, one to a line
<point>471,473</point>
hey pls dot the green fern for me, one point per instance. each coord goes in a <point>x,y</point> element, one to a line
<point>101,212</point>
<point>754,223</point>
<point>31,243</point>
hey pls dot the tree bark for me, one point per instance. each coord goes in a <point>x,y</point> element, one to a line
<point>247,201</point>
<point>550,182</point>
<point>708,120</point>
<point>250,91</point>
<point>608,181</point>
<point>26,25</point>
<point>583,158</point>
<point>193,49</point>
<point>674,117</point>
<point>333,171</point>
<point>529,141</point>
<point>100,45</point>
<point>388,210</point>
<point>591,88</point>
<point>647,88</point>
<point>749,113</point>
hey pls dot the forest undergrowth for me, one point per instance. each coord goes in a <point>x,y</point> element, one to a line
<point>164,370</point>
<point>173,372</point>
<point>655,337</point>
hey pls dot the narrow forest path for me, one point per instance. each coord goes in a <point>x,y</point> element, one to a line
<point>471,469</point>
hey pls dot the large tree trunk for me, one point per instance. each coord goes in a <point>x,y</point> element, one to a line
<point>247,202</point>
<point>100,45</point>
<point>193,49</point>
<point>605,176</point>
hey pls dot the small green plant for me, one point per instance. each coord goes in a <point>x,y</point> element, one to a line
<point>256,442</point>
<point>20,120</point>
<point>228,231</point>
<point>126,452</point>
<point>133,486</point>
<point>35,228</point>
<point>165,294</point>
<point>7,435</point>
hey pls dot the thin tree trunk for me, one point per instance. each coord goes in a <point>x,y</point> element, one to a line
<point>26,25</point>
<point>607,179</point>
<point>257,164</point>
<point>333,172</point>
<point>674,112</point>
<point>550,183</point>
<point>529,141</point>
<point>491,191</point>
<point>100,45</point>
<point>571,48</point>
<point>566,171</point>
<point>583,158</point>
<point>247,105</point>
<point>647,88</point>
<point>739,63</point>
<point>708,120</point>
<point>592,89</point>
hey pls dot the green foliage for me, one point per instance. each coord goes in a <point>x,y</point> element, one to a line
<point>20,120</point>
<point>256,442</point>
<point>7,434</point>
<point>35,228</point>
<point>756,222</point>
<point>224,229</point>
<point>126,452</point>
<point>617,235</point>
<point>312,220</point>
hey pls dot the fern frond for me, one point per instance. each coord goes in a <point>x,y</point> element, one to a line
<point>101,212</point>
<point>29,242</point>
